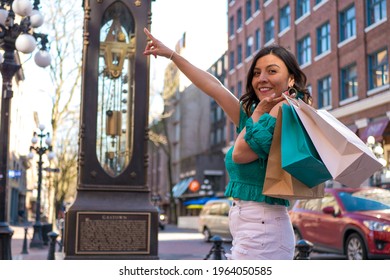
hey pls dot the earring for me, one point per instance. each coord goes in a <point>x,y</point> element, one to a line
<point>292,91</point>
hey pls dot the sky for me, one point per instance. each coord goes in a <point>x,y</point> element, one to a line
<point>205,25</point>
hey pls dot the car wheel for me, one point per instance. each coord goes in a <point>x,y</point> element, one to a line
<point>206,234</point>
<point>355,248</point>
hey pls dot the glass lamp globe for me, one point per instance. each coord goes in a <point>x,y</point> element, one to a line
<point>378,150</point>
<point>34,140</point>
<point>383,162</point>
<point>25,43</point>
<point>42,58</point>
<point>36,18</point>
<point>22,7</point>
<point>371,140</point>
<point>51,155</point>
<point>30,155</point>
<point>41,127</point>
<point>48,141</point>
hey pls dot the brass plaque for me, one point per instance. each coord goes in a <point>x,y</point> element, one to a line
<point>113,233</point>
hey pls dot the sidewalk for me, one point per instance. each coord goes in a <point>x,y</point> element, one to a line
<point>170,242</point>
<point>17,246</point>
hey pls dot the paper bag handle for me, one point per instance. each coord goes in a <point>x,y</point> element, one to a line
<point>291,101</point>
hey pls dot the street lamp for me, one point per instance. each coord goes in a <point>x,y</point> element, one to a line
<point>14,37</point>
<point>378,151</point>
<point>37,240</point>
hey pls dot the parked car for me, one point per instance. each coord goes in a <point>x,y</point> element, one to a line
<point>214,220</point>
<point>354,222</point>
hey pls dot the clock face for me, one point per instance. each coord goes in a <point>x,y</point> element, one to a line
<point>116,86</point>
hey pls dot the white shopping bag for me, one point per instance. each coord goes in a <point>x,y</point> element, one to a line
<point>346,156</point>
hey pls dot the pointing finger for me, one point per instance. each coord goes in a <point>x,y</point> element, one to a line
<point>150,36</point>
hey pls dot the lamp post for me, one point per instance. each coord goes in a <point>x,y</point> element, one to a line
<point>14,36</point>
<point>377,149</point>
<point>37,240</point>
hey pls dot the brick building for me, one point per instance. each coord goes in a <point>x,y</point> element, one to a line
<point>342,46</point>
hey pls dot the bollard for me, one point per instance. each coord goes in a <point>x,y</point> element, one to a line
<point>217,252</point>
<point>24,250</point>
<point>304,248</point>
<point>61,228</point>
<point>52,246</point>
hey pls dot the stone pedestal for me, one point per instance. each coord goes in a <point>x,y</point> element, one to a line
<point>111,226</point>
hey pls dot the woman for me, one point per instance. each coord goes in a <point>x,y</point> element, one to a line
<point>260,225</point>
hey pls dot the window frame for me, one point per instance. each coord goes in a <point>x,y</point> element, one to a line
<point>371,9</point>
<point>323,37</point>
<point>345,79</point>
<point>324,92</point>
<point>373,67</point>
<point>347,25</point>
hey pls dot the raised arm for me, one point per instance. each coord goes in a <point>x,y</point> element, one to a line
<point>200,78</point>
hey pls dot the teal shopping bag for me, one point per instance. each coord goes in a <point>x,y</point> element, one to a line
<point>299,156</point>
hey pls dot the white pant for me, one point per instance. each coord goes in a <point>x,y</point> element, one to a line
<point>260,232</point>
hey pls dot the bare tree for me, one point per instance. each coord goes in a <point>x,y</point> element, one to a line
<point>158,135</point>
<point>159,131</point>
<point>64,20</point>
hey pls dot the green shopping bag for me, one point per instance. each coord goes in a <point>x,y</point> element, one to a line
<point>299,156</point>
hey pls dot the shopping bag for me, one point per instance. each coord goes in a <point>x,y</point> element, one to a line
<point>299,155</point>
<point>346,156</point>
<point>278,182</point>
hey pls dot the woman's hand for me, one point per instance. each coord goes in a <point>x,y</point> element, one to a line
<point>155,47</point>
<point>266,105</point>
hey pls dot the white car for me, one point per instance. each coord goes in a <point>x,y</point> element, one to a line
<point>214,219</point>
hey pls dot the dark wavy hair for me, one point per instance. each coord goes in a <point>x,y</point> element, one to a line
<point>250,98</point>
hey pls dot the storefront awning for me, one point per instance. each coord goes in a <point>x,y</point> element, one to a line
<point>198,201</point>
<point>194,206</point>
<point>181,187</point>
<point>375,128</point>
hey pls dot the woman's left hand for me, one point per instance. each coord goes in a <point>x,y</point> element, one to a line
<point>267,105</point>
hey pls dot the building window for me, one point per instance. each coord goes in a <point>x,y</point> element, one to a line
<point>231,26</point>
<point>239,54</point>
<point>304,50</point>
<point>376,11</point>
<point>349,83</point>
<point>269,29</point>
<point>231,60</point>
<point>323,38</point>
<point>232,90</point>
<point>249,46</point>
<point>232,130</point>
<point>378,69</point>
<point>303,8</point>
<point>248,9</point>
<point>284,18</point>
<point>257,39</point>
<point>257,5</point>
<point>239,89</point>
<point>324,92</point>
<point>347,23</point>
<point>239,18</point>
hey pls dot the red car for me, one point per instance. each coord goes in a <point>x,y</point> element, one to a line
<point>354,222</point>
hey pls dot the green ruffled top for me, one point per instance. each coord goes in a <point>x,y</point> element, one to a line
<point>246,180</point>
